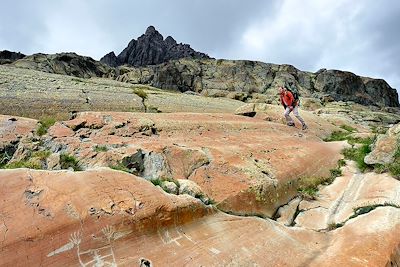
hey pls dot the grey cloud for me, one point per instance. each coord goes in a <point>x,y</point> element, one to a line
<point>359,36</point>
<point>21,25</point>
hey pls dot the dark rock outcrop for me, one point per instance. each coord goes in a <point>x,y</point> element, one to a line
<point>66,64</point>
<point>346,86</point>
<point>7,57</point>
<point>151,49</point>
<point>256,79</point>
<point>110,59</point>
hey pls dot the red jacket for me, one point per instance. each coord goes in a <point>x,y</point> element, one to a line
<point>287,99</point>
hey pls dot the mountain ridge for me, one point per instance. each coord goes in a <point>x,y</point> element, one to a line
<point>165,64</point>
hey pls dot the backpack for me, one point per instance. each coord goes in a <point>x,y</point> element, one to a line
<point>293,89</point>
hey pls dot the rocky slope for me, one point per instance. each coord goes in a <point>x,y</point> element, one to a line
<point>248,81</point>
<point>151,49</point>
<point>257,80</point>
<point>220,163</point>
<point>36,94</point>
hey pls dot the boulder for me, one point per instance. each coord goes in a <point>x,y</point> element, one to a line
<point>246,110</point>
<point>170,187</point>
<point>385,147</point>
<point>192,189</point>
<point>287,213</point>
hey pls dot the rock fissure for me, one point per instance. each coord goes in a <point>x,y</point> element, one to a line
<point>5,230</point>
<point>358,212</point>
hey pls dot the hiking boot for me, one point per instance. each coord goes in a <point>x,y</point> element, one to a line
<point>305,127</point>
<point>291,124</point>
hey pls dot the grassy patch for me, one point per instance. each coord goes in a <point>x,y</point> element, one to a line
<point>337,136</point>
<point>44,125</point>
<point>368,208</point>
<point>120,167</point>
<point>394,169</point>
<point>42,155</point>
<point>378,130</point>
<point>23,164</point>
<point>358,154</point>
<point>160,180</point>
<point>309,192</point>
<point>308,188</point>
<point>157,182</point>
<point>341,135</point>
<point>346,135</point>
<point>34,161</point>
<point>100,149</point>
<point>380,168</point>
<point>348,128</point>
<point>68,161</point>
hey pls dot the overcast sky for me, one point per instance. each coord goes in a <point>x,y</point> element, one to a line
<point>359,36</point>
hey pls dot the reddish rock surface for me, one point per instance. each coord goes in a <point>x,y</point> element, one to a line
<point>56,218</point>
<point>12,128</point>
<point>246,165</point>
<point>116,219</point>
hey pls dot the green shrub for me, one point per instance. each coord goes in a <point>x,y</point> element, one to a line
<point>337,136</point>
<point>23,164</point>
<point>394,169</point>
<point>380,168</point>
<point>42,155</point>
<point>308,192</point>
<point>341,163</point>
<point>67,161</point>
<point>397,153</point>
<point>140,92</point>
<point>100,149</point>
<point>364,141</point>
<point>44,125</point>
<point>348,128</point>
<point>358,155</point>
<point>336,173</point>
<point>120,167</point>
<point>342,136</point>
<point>308,186</point>
<point>378,130</point>
<point>156,182</point>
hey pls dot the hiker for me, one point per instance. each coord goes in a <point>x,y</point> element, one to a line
<point>290,103</point>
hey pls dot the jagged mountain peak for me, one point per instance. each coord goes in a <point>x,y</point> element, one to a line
<point>150,49</point>
<point>150,30</point>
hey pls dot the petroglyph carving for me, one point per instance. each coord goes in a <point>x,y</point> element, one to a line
<point>102,256</point>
